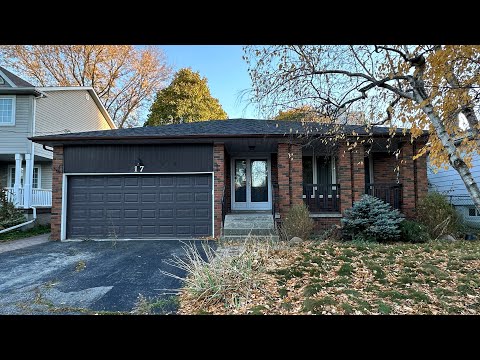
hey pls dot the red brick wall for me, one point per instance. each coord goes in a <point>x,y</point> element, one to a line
<point>384,168</point>
<point>228,183</point>
<point>358,172</point>
<point>274,171</point>
<point>344,176</point>
<point>420,173</point>
<point>296,175</point>
<point>283,163</point>
<point>322,224</point>
<point>219,176</point>
<point>407,179</point>
<point>57,181</point>
<point>289,176</point>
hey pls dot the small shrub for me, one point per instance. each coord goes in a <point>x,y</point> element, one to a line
<point>371,219</point>
<point>438,215</point>
<point>213,278</point>
<point>298,223</point>
<point>413,232</point>
<point>9,214</point>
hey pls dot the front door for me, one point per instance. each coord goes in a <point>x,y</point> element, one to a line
<point>251,189</point>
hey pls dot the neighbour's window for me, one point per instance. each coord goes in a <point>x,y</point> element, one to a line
<point>36,177</point>
<point>7,110</point>
<point>473,212</point>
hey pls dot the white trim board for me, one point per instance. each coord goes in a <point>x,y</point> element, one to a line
<point>63,224</point>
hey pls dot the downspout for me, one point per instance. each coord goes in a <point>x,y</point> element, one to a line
<point>22,224</point>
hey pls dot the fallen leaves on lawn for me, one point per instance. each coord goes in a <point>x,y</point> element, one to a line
<point>346,278</point>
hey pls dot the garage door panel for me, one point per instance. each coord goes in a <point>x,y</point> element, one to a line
<point>166,181</point>
<point>131,181</point>
<point>139,206</point>
<point>185,197</point>
<point>148,181</point>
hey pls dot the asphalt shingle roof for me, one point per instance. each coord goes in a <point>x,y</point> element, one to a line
<point>222,128</point>
<point>15,79</point>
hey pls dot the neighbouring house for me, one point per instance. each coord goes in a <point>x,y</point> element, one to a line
<point>25,111</point>
<point>448,182</point>
<point>182,180</point>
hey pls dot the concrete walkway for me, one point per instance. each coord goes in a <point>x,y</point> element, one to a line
<point>23,243</point>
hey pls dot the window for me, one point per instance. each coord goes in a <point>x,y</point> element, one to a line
<point>473,212</point>
<point>36,177</point>
<point>35,181</point>
<point>7,110</point>
<point>318,170</point>
<point>307,170</point>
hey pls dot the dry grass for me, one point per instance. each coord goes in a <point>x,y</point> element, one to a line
<point>223,278</point>
<point>355,278</point>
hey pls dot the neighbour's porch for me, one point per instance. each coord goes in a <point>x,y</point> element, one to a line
<point>26,179</point>
<point>39,198</point>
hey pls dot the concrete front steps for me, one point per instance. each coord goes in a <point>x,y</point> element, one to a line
<point>237,227</point>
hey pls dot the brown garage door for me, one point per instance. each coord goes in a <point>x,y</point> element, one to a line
<point>139,206</point>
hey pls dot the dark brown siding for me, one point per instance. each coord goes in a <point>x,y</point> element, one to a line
<point>122,158</point>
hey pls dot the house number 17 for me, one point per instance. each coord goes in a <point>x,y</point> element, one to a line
<point>139,168</point>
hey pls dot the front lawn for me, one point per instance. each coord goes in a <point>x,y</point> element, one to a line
<point>361,278</point>
<point>19,234</point>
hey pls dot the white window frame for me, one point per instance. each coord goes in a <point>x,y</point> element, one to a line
<point>39,180</point>
<point>14,102</point>
<point>477,213</point>
<point>9,177</point>
<point>315,176</point>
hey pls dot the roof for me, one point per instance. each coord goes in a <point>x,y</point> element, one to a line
<point>218,129</point>
<point>18,82</point>
<point>92,93</point>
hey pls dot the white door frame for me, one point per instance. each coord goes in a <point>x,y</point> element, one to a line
<point>249,205</point>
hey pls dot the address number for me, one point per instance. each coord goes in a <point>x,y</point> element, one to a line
<point>139,168</point>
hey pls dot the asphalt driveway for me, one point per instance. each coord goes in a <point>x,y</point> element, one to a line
<point>89,277</point>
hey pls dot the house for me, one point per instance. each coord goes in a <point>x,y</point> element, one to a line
<point>448,182</point>
<point>181,180</point>
<point>25,111</point>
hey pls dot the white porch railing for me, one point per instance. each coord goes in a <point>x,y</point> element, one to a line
<point>40,197</point>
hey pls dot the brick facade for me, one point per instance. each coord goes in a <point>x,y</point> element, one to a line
<point>274,171</point>
<point>283,163</point>
<point>384,168</point>
<point>296,174</point>
<point>413,177</point>
<point>289,176</point>
<point>324,223</point>
<point>286,173</point>
<point>358,172</point>
<point>219,184</point>
<point>57,181</point>
<point>421,181</point>
<point>344,176</point>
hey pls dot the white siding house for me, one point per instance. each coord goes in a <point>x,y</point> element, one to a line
<point>449,183</point>
<point>25,111</point>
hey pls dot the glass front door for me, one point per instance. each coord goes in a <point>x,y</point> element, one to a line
<point>251,184</point>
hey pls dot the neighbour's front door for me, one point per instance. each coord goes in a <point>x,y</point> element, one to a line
<point>251,184</point>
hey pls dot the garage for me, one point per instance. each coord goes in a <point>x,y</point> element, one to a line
<point>139,206</point>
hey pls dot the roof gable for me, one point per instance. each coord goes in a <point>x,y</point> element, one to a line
<point>13,80</point>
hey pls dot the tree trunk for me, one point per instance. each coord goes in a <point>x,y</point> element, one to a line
<point>457,163</point>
